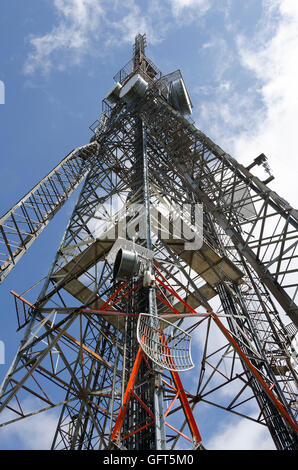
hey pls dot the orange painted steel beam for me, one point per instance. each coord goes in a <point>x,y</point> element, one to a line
<point>68,336</point>
<point>182,395</point>
<point>229,337</point>
<point>171,404</point>
<point>108,312</point>
<point>47,400</point>
<point>267,389</point>
<point>21,298</point>
<point>128,392</point>
<point>138,430</point>
<point>112,296</point>
<point>126,293</point>
<point>170,289</point>
<point>142,403</point>
<point>169,385</point>
<point>187,409</point>
<point>164,278</point>
<point>180,392</point>
<point>147,363</point>
<point>84,347</point>
<point>170,306</point>
<point>178,432</point>
<point>26,318</point>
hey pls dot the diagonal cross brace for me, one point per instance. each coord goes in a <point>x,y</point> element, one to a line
<point>22,224</point>
<point>130,391</point>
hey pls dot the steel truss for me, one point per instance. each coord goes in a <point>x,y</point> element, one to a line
<point>20,226</point>
<point>79,350</point>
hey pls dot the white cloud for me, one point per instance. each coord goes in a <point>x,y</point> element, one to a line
<point>244,435</point>
<point>223,57</point>
<point>32,433</point>
<point>82,13</point>
<point>273,61</point>
<point>136,20</point>
<point>262,117</point>
<point>199,6</point>
<point>79,21</point>
<point>87,27</point>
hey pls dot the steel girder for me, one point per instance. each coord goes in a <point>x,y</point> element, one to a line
<point>22,224</point>
<point>266,234</point>
<point>75,357</point>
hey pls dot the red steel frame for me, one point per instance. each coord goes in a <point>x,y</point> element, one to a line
<point>235,345</point>
<point>179,389</point>
<point>180,393</point>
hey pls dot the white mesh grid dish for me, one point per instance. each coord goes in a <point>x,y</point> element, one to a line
<point>165,344</point>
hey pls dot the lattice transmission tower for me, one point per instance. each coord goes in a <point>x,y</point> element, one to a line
<point>171,241</point>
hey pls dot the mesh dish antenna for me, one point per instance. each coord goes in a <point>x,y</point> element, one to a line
<point>165,344</point>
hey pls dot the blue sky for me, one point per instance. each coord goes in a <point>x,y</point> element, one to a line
<point>57,60</point>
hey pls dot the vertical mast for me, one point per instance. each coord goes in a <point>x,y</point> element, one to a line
<point>160,437</point>
<point>141,194</point>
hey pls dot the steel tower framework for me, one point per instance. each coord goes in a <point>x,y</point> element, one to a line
<point>236,293</point>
